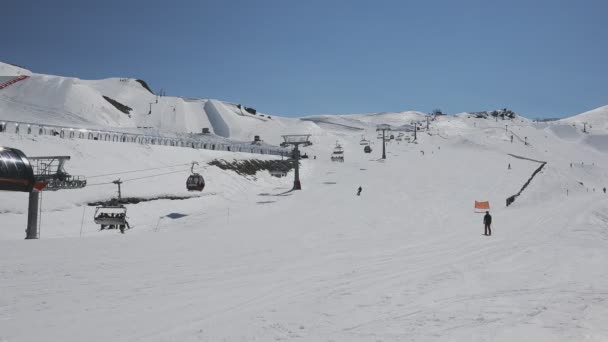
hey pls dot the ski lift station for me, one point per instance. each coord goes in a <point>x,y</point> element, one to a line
<point>16,173</point>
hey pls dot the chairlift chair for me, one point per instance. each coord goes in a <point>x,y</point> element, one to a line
<point>111,217</point>
<point>338,153</point>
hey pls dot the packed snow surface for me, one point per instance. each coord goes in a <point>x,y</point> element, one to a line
<point>246,260</point>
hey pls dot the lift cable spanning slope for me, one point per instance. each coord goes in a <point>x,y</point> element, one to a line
<point>141,170</point>
<point>144,177</point>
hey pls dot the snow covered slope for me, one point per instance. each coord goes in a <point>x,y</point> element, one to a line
<point>596,119</point>
<point>80,103</point>
<point>245,260</point>
<point>13,70</point>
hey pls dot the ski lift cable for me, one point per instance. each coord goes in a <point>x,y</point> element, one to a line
<point>142,170</point>
<point>138,178</point>
<point>149,176</point>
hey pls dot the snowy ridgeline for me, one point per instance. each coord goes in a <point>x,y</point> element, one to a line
<point>245,261</point>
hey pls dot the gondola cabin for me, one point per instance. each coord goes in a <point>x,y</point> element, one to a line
<point>195,182</point>
<point>367,149</point>
<point>16,173</point>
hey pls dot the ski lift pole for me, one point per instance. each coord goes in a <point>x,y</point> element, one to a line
<point>295,140</point>
<point>118,182</point>
<point>296,181</point>
<point>32,215</point>
<point>383,146</point>
<point>383,128</point>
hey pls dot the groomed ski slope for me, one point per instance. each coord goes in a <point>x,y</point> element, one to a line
<point>405,261</point>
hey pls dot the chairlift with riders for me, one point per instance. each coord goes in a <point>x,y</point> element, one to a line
<point>112,215</point>
<point>338,154</point>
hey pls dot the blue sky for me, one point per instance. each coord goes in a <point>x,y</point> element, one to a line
<point>541,58</point>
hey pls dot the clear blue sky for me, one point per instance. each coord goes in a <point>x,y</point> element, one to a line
<point>541,58</point>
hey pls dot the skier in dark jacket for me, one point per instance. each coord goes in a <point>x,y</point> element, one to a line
<point>359,191</point>
<point>487,222</point>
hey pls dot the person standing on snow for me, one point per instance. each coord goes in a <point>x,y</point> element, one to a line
<point>359,191</point>
<point>487,222</point>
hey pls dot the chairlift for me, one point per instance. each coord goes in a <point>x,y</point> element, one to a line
<point>363,141</point>
<point>195,181</point>
<point>112,217</point>
<point>16,173</point>
<point>367,149</point>
<point>338,154</point>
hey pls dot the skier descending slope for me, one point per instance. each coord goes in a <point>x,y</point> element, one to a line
<point>487,222</point>
<point>359,191</point>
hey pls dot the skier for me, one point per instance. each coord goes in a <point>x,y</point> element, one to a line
<point>604,189</point>
<point>359,191</point>
<point>511,138</point>
<point>509,166</point>
<point>487,222</point>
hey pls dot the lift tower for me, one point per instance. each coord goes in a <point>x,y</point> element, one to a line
<point>296,140</point>
<point>383,128</point>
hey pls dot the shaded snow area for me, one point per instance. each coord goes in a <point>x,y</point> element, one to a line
<point>245,260</point>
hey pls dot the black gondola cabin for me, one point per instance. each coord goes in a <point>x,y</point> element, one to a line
<point>195,182</point>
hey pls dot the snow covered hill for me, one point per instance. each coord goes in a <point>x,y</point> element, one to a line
<point>596,119</point>
<point>245,260</point>
<point>80,103</point>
